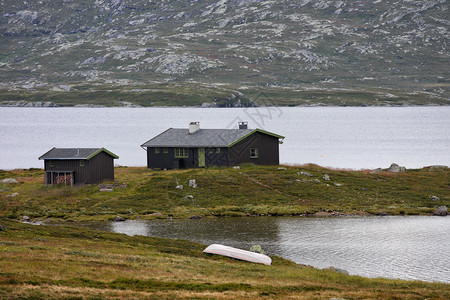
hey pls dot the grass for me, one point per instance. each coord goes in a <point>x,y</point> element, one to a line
<point>41,262</point>
<point>248,191</point>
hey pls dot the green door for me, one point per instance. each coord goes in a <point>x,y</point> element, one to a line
<point>201,157</point>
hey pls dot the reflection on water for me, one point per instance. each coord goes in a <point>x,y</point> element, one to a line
<point>395,247</point>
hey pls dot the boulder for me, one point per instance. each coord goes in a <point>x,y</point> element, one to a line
<point>316,180</point>
<point>236,167</point>
<point>383,214</point>
<point>326,177</point>
<point>441,211</point>
<point>180,187</point>
<point>282,168</point>
<point>304,173</point>
<point>118,219</point>
<point>187,197</point>
<point>195,217</point>
<point>106,190</point>
<point>25,219</point>
<point>256,249</point>
<point>438,168</point>
<point>338,184</point>
<point>192,183</point>
<point>9,181</point>
<point>13,195</point>
<point>396,168</point>
<point>435,198</point>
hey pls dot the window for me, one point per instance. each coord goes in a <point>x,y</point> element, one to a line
<point>217,150</point>
<point>51,164</point>
<point>156,150</point>
<point>166,150</point>
<point>181,152</point>
<point>211,151</point>
<point>81,163</point>
<point>254,153</point>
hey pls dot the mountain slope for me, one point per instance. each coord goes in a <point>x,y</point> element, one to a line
<point>390,51</point>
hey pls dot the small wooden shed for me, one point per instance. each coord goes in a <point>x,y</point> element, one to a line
<point>194,147</point>
<point>72,166</point>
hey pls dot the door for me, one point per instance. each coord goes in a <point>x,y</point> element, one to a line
<point>201,157</point>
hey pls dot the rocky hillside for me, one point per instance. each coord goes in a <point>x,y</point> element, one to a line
<point>296,52</point>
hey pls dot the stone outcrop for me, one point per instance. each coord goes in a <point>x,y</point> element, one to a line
<point>9,181</point>
<point>441,211</point>
<point>396,168</point>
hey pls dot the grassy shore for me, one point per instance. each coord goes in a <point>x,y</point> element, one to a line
<point>62,262</point>
<point>248,191</point>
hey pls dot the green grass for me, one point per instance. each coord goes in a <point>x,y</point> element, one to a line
<point>249,191</point>
<point>63,262</point>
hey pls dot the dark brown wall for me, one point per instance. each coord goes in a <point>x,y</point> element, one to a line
<point>97,169</point>
<point>267,145</point>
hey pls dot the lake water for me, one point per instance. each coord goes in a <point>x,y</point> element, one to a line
<point>412,248</point>
<point>340,137</point>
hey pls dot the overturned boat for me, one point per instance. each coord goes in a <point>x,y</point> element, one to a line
<point>238,254</point>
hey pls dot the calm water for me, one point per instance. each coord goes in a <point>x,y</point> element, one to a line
<point>395,247</point>
<point>363,137</point>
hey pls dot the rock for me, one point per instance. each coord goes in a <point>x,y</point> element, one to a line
<point>118,219</point>
<point>13,195</point>
<point>156,214</point>
<point>25,219</point>
<point>106,190</point>
<point>256,249</point>
<point>304,173</point>
<point>192,183</point>
<point>195,217</point>
<point>187,197</point>
<point>342,271</point>
<point>383,214</point>
<point>316,180</point>
<point>326,177</point>
<point>179,186</point>
<point>364,189</point>
<point>282,168</point>
<point>337,184</point>
<point>435,198</point>
<point>9,181</point>
<point>2,228</point>
<point>438,168</point>
<point>396,168</point>
<point>441,211</point>
<point>236,167</point>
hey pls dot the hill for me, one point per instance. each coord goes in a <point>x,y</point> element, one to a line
<point>227,52</point>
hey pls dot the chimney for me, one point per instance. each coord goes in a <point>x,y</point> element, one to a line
<point>194,127</point>
<point>243,125</point>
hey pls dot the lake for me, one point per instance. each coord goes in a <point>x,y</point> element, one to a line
<point>412,247</point>
<point>339,137</point>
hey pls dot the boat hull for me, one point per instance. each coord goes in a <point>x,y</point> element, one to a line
<point>238,254</point>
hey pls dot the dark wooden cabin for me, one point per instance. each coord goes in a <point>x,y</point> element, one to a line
<point>72,166</point>
<point>194,147</point>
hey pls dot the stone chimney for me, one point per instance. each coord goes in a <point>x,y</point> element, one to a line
<point>194,127</point>
<point>243,125</point>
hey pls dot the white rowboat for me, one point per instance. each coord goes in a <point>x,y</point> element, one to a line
<point>238,254</point>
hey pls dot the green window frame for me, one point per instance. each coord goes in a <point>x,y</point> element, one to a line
<point>81,163</point>
<point>211,151</point>
<point>166,150</point>
<point>254,152</point>
<point>181,153</point>
<point>157,150</point>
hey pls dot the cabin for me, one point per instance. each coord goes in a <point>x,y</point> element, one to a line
<point>193,147</point>
<point>76,166</point>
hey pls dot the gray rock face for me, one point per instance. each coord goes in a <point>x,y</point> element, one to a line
<point>435,198</point>
<point>9,181</point>
<point>304,174</point>
<point>25,219</point>
<point>396,168</point>
<point>441,211</point>
<point>326,177</point>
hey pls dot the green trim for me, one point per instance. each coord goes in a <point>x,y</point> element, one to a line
<point>102,150</point>
<point>183,152</point>
<point>254,131</point>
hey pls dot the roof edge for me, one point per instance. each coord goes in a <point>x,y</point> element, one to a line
<point>40,157</point>
<point>102,150</point>
<point>280,137</point>
<point>143,145</point>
